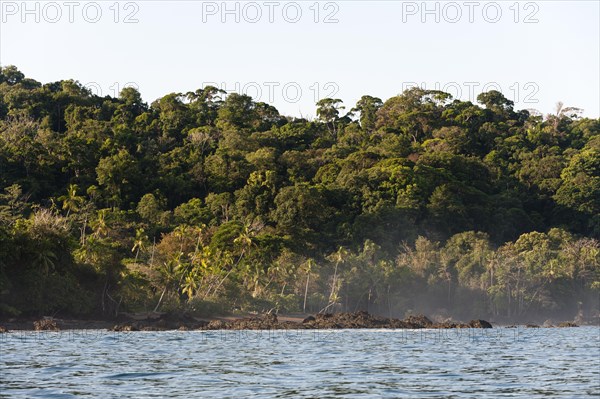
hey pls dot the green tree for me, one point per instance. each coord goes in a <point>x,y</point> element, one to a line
<point>328,111</point>
<point>71,202</point>
<point>119,176</point>
<point>368,106</point>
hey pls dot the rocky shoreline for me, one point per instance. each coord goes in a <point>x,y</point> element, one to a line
<point>164,322</point>
<point>357,320</point>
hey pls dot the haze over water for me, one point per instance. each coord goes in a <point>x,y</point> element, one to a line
<point>502,362</point>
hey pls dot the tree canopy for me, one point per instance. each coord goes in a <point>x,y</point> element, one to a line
<point>208,200</point>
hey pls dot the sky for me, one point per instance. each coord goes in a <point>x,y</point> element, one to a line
<point>291,54</point>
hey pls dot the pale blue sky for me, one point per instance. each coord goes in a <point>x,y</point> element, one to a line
<point>375,48</point>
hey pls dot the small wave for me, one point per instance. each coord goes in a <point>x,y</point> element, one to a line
<point>128,376</point>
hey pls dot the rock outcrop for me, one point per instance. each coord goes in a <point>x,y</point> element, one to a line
<point>45,325</point>
<point>322,321</point>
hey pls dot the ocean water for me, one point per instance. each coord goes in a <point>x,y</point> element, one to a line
<point>496,363</point>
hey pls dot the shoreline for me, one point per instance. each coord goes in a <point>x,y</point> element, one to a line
<point>168,322</point>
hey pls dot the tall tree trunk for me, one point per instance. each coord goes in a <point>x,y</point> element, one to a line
<point>333,283</point>
<point>509,296</point>
<point>306,291</point>
<point>153,247</point>
<point>160,299</point>
<point>104,295</point>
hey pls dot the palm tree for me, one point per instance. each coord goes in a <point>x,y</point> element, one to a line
<point>309,265</point>
<point>338,257</point>
<point>189,287</point>
<point>71,201</point>
<point>139,242</point>
<point>99,225</point>
<point>46,259</point>
<point>169,272</point>
<point>245,241</point>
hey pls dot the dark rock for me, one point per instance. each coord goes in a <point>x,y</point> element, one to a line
<point>45,325</point>
<point>270,318</point>
<point>266,322</point>
<point>450,324</point>
<point>167,324</point>
<point>567,324</point>
<point>418,321</point>
<point>3,330</point>
<point>479,324</point>
<point>360,319</point>
<point>216,325</point>
<point>200,325</point>
<point>530,325</point>
<point>125,327</point>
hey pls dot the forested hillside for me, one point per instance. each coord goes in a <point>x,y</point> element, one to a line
<point>210,202</point>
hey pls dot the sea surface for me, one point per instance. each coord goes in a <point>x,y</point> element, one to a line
<point>468,363</point>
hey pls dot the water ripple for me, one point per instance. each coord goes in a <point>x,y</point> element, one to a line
<point>515,363</point>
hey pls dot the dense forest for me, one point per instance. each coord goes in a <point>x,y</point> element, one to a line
<point>208,202</point>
